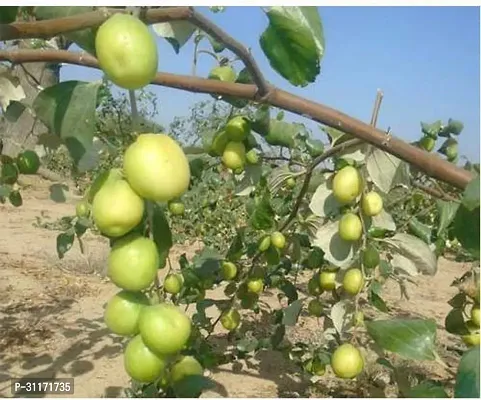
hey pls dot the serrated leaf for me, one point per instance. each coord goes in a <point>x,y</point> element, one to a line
<point>467,376</point>
<point>65,242</point>
<point>337,251</point>
<point>471,194</point>
<point>10,88</point>
<point>447,211</point>
<point>428,389</point>
<point>84,38</point>
<point>57,192</point>
<point>410,338</point>
<point>386,171</point>
<point>291,313</point>
<point>68,109</point>
<point>162,234</point>
<point>340,313</point>
<point>415,250</point>
<point>192,386</point>
<point>177,33</point>
<point>466,229</point>
<point>323,203</point>
<point>294,43</point>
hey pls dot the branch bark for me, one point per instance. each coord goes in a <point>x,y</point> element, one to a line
<point>430,164</point>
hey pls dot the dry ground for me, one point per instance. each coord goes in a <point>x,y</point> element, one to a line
<point>51,316</point>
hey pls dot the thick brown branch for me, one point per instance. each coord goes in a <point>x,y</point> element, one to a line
<point>431,164</point>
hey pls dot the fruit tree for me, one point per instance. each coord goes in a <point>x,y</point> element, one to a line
<point>364,208</point>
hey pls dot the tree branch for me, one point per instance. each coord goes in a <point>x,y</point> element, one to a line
<point>429,163</point>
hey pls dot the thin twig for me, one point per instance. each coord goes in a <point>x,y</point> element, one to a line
<point>377,107</point>
<point>436,193</point>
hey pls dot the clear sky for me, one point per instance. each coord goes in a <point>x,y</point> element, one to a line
<point>426,60</point>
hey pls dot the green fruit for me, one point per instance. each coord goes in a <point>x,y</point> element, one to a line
<point>230,319</point>
<point>278,240</point>
<point>238,128</point>
<point>82,209</point>
<point>176,207</point>
<point>28,162</point>
<point>370,257</point>
<point>255,285</point>
<point>165,328</point>
<point>427,143</point>
<point>452,152</point>
<point>9,173</point>
<point>234,155</point>
<point>318,368</point>
<point>350,227</point>
<point>122,312</point>
<point>173,283</point>
<point>475,315</point>
<point>371,204</point>
<point>315,308</point>
<point>471,326</point>
<point>117,218</point>
<point>133,262</point>
<point>291,183</point>
<point>353,281</point>
<point>228,270</point>
<point>347,361</point>
<point>327,280</point>
<point>157,168</point>
<point>252,157</point>
<point>264,244</point>
<point>224,73</point>
<point>126,51</point>
<point>471,340</point>
<point>347,185</point>
<point>219,143</point>
<point>141,363</point>
<point>185,366</point>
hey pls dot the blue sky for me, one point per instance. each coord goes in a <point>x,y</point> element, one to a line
<point>426,60</point>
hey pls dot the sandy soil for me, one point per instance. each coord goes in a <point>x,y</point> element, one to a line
<point>51,316</point>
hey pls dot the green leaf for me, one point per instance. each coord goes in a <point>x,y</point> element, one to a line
<point>261,120</point>
<point>15,198</point>
<point>217,46</point>
<point>411,338</point>
<point>5,190</point>
<point>471,194</point>
<point>236,248</point>
<point>466,229</point>
<point>247,345</point>
<point>428,389</point>
<point>447,211</point>
<point>162,234</point>
<point>192,386</point>
<point>262,216</point>
<point>386,170</point>
<point>378,302</point>
<point>422,231</point>
<point>84,38</point>
<point>453,127</point>
<point>291,313</point>
<point>8,14</point>
<point>294,43</point>
<point>282,133</point>
<point>315,147</point>
<point>467,377</point>
<point>454,322</point>
<point>290,291</point>
<point>14,111</point>
<point>68,110</point>
<point>57,192</point>
<point>278,335</point>
<point>177,33</point>
<point>65,242</point>
<point>207,262</point>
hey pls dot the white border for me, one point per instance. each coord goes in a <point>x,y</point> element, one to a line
<point>245,3</point>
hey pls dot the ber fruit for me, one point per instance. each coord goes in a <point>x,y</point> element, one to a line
<point>315,308</point>
<point>278,240</point>
<point>291,183</point>
<point>238,128</point>
<point>228,270</point>
<point>475,315</point>
<point>176,207</point>
<point>353,281</point>
<point>230,319</point>
<point>173,283</point>
<point>427,143</point>
<point>156,167</point>
<point>82,209</point>
<point>350,227</point>
<point>185,366</point>
<point>255,285</point>
<point>327,280</point>
<point>371,204</point>
<point>347,361</point>
<point>133,262</point>
<point>252,157</point>
<point>122,312</point>
<point>141,363</point>
<point>223,73</point>
<point>347,185</point>
<point>126,51</point>
<point>234,156</point>
<point>165,328</point>
<point>370,257</point>
<point>28,162</point>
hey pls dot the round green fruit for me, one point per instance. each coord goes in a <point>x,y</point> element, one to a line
<point>347,361</point>
<point>347,185</point>
<point>156,167</point>
<point>291,183</point>
<point>371,204</point>
<point>28,162</point>
<point>224,74</point>
<point>427,143</point>
<point>471,340</point>
<point>82,209</point>
<point>122,312</point>
<point>350,227</point>
<point>327,280</point>
<point>185,366</point>
<point>278,240</point>
<point>230,319</point>
<point>117,218</point>
<point>234,155</point>
<point>133,262</point>
<point>141,363</point>
<point>126,51</point>
<point>315,308</point>
<point>452,152</point>
<point>318,368</point>
<point>370,257</point>
<point>255,286</point>
<point>353,281</point>
<point>176,207</point>
<point>228,270</point>
<point>173,283</point>
<point>475,315</point>
<point>238,128</point>
<point>165,328</point>
<point>264,243</point>
<point>252,157</point>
